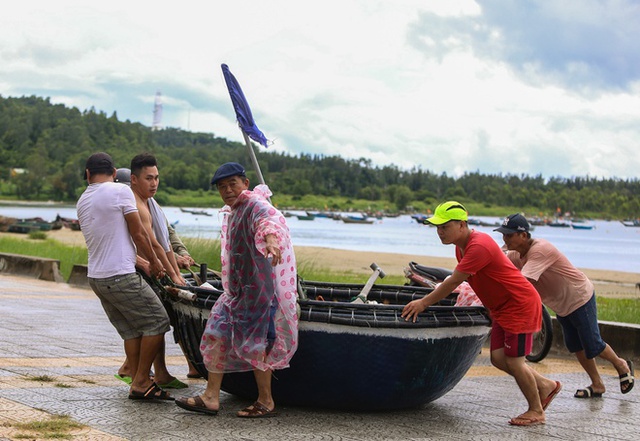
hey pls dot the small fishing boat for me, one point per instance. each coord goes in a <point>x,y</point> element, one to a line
<point>559,224</point>
<point>581,226</point>
<point>354,356</point>
<point>305,217</point>
<point>326,214</point>
<point>631,223</point>
<point>68,222</point>
<point>26,226</point>
<point>22,228</point>
<point>201,213</point>
<point>420,218</point>
<point>356,220</point>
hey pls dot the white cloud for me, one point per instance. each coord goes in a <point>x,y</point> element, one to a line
<point>450,86</point>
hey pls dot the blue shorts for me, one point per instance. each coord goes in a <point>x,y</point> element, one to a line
<point>581,331</point>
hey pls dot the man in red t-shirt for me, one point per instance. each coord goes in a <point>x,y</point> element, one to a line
<point>514,304</point>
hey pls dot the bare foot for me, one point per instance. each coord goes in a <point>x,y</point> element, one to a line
<point>528,419</point>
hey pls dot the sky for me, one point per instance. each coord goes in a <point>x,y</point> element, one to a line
<point>548,88</point>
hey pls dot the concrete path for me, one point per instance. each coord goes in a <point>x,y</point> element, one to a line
<point>58,355</point>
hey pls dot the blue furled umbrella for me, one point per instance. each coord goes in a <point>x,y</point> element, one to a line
<point>244,117</point>
<point>243,112</point>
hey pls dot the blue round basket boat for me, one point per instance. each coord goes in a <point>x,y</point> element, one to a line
<point>355,356</point>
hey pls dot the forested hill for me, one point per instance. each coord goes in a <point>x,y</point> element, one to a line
<point>44,146</point>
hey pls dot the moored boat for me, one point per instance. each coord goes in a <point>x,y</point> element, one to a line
<point>26,226</point>
<point>356,356</point>
<point>581,226</point>
<point>631,223</point>
<point>68,222</point>
<point>356,220</point>
<point>419,217</point>
<point>559,224</point>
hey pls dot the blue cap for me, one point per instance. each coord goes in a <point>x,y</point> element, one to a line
<point>227,170</point>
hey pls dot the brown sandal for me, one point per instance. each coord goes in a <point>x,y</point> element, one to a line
<point>154,392</point>
<point>198,405</point>
<point>257,410</point>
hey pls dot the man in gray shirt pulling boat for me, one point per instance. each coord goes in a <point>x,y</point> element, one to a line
<point>112,230</point>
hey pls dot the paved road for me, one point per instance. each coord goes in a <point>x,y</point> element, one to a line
<point>58,354</point>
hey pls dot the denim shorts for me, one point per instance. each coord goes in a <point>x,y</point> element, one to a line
<point>581,331</point>
<point>132,307</point>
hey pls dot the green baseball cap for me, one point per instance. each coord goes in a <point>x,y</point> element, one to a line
<point>448,211</point>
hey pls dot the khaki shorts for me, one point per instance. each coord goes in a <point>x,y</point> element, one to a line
<point>132,307</point>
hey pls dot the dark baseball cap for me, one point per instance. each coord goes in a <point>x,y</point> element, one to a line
<point>515,223</point>
<point>99,163</point>
<point>227,170</point>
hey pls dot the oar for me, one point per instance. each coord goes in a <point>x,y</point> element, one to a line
<point>377,272</point>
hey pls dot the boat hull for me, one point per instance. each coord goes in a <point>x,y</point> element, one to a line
<point>357,357</point>
<point>338,368</point>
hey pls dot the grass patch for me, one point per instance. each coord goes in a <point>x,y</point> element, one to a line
<point>37,235</point>
<point>63,386</point>
<point>41,378</point>
<point>49,248</point>
<point>619,310</point>
<point>204,251</point>
<point>57,427</point>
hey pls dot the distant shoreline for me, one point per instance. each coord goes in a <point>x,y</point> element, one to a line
<point>34,203</point>
<point>615,284</point>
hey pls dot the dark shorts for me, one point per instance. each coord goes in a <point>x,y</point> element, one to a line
<point>581,331</point>
<point>515,345</point>
<point>132,307</point>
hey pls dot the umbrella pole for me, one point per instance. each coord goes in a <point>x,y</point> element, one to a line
<point>254,160</point>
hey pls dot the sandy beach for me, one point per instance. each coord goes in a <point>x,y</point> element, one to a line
<point>608,283</point>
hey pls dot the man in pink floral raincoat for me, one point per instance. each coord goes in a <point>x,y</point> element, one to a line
<point>253,326</point>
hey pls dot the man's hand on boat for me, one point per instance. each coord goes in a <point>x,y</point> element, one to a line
<point>415,307</point>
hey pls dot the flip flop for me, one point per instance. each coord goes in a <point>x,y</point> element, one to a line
<point>199,405</point>
<point>587,393</point>
<point>627,379</point>
<point>257,410</point>
<point>154,392</point>
<point>545,403</point>
<point>174,384</point>
<point>125,378</point>
<point>525,421</point>
<point>198,375</point>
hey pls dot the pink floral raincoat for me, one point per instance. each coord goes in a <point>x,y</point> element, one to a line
<point>254,324</point>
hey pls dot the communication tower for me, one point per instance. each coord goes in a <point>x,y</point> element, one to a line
<point>157,112</point>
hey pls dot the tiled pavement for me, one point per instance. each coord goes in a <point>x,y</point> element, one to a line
<point>58,354</point>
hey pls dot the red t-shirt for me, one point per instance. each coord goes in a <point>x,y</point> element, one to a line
<point>512,300</point>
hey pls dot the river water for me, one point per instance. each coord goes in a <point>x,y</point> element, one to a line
<point>608,246</point>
